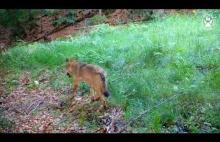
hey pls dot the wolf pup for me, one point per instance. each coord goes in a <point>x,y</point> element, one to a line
<point>93,75</point>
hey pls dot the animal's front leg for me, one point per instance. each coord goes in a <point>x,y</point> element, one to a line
<point>75,86</point>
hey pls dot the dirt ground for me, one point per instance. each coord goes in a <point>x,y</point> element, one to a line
<point>42,110</point>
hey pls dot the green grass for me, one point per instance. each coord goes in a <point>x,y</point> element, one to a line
<point>146,63</point>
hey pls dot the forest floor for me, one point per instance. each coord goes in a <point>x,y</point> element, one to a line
<point>41,110</point>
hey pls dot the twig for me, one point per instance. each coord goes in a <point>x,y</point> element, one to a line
<point>36,106</point>
<point>102,129</point>
<point>31,105</point>
<point>140,115</point>
<point>47,129</point>
<point>94,131</point>
<point>109,128</point>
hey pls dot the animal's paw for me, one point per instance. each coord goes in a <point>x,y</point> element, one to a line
<point>71,97</point>
<point>62,104</point>
<point>92,99</point>
<point>105,107</point>
<point>97,99</point>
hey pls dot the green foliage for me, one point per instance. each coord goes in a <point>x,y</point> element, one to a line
<point>157,122</point>
<point>68,18</point>
<point>214,12</point>
<point>14,17</point>
<point>4,123</point>
<point>82,117</point>
<point>145,13</point>
<point>97,19</point>
<point>49,12</point>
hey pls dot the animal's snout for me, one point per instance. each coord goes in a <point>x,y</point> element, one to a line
<point>68,74</point>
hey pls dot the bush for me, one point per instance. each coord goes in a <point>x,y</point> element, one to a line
<point>14,18</point>
<point>214,12</point>
<point>146,14</point>
<point>97,20</point>
<point>49,12</point>
<point>68,18</point>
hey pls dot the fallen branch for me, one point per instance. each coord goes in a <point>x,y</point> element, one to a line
<point>37,106</point>
<point>31,105</point>
<point>51,32</point>
<point>88,15</point>
<point>140,115</point>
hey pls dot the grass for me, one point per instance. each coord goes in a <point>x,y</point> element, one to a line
<point>146,63</point>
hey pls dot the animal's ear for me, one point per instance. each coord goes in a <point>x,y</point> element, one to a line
<point>67,60</point>
<point>73,60</point>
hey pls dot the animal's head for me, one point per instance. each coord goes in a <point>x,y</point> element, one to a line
<point>69,66</point>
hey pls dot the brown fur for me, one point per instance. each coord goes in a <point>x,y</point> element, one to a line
<point>93,75</point>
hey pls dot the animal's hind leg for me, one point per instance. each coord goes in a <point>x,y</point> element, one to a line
<point>92,94</point>
<point>93,98</point>
<point>99,93</point>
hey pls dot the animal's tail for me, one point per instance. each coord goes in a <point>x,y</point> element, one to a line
<point>104,85</point>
